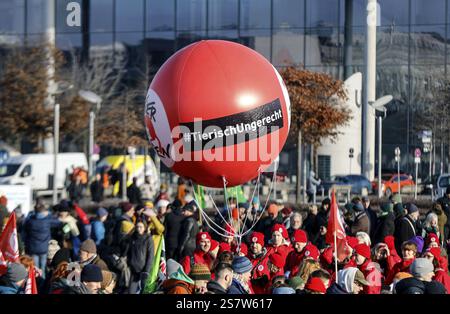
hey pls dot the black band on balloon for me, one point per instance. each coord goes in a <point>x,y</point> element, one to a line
<point>234,129</point>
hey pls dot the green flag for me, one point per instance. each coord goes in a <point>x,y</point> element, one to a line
<point>200,196</point>
<point>152,282</point>
<point>236,191</point>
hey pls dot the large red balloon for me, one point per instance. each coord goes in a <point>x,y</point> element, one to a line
<point>233,90</point>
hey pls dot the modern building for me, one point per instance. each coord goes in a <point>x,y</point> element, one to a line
<point>323,35</point>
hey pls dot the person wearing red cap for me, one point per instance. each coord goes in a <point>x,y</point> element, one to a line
<point>276,265</point>
<point>364,263</point>
<point>311,252</point>
<point>299,240</point>
<point>224,247</point>
<point>241,250</point>
<point>265,224</point>
<point>440,264</point>
<point>229,238</point>
<point>202,254</point>
<point>409,251</point>
<point>279,243</point>
<point>392,255</point>
<point>259,258</point>
<point>432,241</point>
<point>315,286</point>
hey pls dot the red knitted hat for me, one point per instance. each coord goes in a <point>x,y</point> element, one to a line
<point>281,229</point>
<point>311,251</point>
<point>277,260</point>
<point>203,236</point>
<point>352,241</point>
<point>299,236</point>
<point>363,250</point>
<point>315,284</point>
<point>257,237</point>
<point>223,246</point>
<point>432,237</point>
<point>243,248</point>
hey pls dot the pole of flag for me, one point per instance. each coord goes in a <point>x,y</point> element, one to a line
<point>335,258</point>
<point>335,247</point>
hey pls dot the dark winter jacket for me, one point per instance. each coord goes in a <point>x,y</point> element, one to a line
<point>134,194</point>
<point>215,288</point>
<point>97,190</point>
<point>372,215</point>
<point>416,286</point>
<point>80,289</point>
<point>75,191</point>
<point>37,232</point>
<point>188,233</point>
<point>172,226</point>
<point>385,227</point>
<point>336,289</point>
<point>445,203</point>
<point>405,230</point>
<point>140,253</point>
<point>236,288</point>
<point>361,223</point>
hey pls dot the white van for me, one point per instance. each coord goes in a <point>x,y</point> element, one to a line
<point>36,170</point>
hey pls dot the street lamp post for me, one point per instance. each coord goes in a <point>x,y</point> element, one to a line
<point>56,89</point>
<point>379,105</point>
<point>96,100</point>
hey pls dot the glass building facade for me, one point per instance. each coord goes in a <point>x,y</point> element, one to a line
<point>412,42</point>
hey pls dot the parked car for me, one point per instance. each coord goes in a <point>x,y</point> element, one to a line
<point>429,185</point>
<point>442,183</point>
<point>389,184</point>
<point>359,184</point>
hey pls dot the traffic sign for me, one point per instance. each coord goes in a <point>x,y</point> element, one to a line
<point>417,160</point>
<point>417,153</point>
<point>397,151</point>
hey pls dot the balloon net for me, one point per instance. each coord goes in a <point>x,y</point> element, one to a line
<point>224,224</point>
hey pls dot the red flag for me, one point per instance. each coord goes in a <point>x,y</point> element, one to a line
<point>3,264</point>
<point>9,245</point>
<point>31,287</point>
<point>335,226</point>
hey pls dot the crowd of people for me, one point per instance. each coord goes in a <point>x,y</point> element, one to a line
<point>278,249</point>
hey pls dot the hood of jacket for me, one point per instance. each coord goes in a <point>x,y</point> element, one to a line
<point>346,278</point>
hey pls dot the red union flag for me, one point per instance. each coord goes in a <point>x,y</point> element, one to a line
<point>3,264</point>
<point>9,245</point>
<point>335,226</point>
<point>31,287</point>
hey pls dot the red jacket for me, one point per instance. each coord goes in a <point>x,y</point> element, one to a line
<point>260,270</point>
<point>283,250</point>
<point>402,266</point>
<point>199,257</point>
<point>293,261</point>
<point>373,276</point>
<point>441,274</point>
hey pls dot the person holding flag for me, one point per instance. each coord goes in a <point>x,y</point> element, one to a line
<point>335,235</point>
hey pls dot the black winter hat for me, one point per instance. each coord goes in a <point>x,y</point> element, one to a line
<point>91,273</point>
<point>62,255</point>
